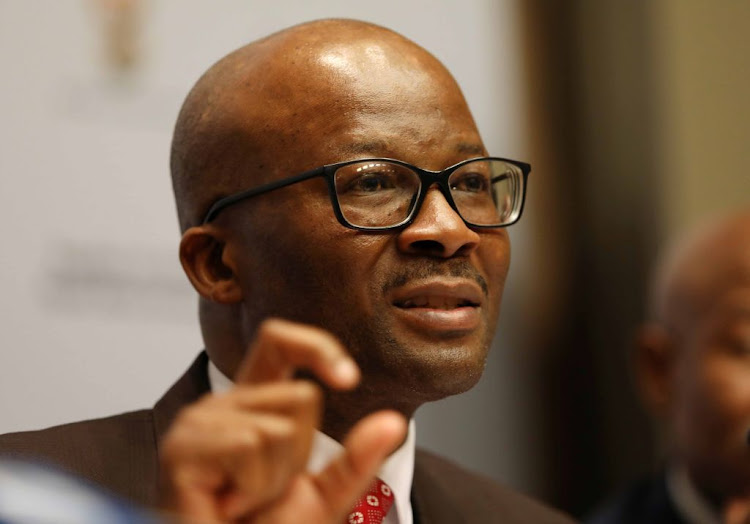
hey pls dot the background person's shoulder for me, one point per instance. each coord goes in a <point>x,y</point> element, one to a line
<point>646,501</point>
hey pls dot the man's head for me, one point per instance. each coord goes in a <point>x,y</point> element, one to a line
<point>694,359</point>
<point>415,306</point>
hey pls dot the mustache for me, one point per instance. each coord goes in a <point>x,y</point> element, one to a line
<point>436,268</point>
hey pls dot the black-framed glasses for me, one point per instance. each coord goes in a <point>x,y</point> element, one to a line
<point>377,194</point>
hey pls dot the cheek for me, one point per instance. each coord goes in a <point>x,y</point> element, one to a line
<point>310,266</point>
<point>729,380</point>
<point>718,403</point>
<point>350,262</point>
<point>494,260</point>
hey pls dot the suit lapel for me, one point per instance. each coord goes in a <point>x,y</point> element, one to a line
<point>431,502</point>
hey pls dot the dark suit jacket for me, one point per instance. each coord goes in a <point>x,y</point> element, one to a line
<point>120,453</point>
<point>647,502</point>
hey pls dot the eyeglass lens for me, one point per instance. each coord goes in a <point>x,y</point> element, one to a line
<point>382,194</point>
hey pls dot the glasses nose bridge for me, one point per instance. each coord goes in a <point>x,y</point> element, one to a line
<point>427,180</point>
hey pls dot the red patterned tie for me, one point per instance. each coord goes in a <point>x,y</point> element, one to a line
<point>373,506</point>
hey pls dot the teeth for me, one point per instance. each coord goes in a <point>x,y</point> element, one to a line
<point>435,302</point>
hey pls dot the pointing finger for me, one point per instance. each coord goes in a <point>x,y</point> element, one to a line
<point>282,347</point>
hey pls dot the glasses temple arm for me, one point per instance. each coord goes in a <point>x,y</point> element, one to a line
<point>227,201</point>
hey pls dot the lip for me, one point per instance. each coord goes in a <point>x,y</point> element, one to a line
<point>439,306</point>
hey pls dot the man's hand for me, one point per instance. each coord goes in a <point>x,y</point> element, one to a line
<point>241,456</point>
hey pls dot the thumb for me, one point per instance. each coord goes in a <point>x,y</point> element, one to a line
<point>368,444</point>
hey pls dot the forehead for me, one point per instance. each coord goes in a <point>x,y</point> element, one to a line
<point>723,296</point>
<point>338,100</point>
<point>734,303</point>
<point>726,268</point>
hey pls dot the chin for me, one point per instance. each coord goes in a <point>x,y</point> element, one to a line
<point>440,387</point>
<point>419,366</point>
<point>436,371</point>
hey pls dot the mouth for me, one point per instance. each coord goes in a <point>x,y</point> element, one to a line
<point>436,302</point>
<point>440,306</point>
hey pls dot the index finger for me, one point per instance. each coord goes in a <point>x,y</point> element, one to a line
<point>281,347</point>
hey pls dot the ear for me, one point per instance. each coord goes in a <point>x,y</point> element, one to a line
<point>202,255</point>
<point>655,362</point>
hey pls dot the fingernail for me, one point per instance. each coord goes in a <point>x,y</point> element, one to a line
<point>347,370</point>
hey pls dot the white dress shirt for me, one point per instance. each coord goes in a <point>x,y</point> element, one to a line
<point>397,471</point>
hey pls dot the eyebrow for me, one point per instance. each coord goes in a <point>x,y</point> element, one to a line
<point>473,149</point>
<point>737,311</point>
<point>742,312</point>
<point>376,147</point>
<point>366,148</point>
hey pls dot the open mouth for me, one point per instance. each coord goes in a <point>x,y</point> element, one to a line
<point>436,302</point>
<point>438,294</point>
<point>442,306</point>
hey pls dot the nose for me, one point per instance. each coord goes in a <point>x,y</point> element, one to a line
<point>437,230</point>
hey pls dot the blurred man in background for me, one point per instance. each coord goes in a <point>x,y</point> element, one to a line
<point>693,367</point>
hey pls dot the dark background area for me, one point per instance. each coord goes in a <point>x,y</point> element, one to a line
<point>609,91</point>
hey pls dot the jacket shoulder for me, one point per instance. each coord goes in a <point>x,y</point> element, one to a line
<point>119,453</point>
<point>116,452</point>
<point>439,482</point>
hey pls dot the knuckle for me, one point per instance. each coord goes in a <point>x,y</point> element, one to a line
<point>176,446</point>
<point>283,432</point>
<point>244,443</point>
<point>186,423</point>
<point>191,417</point>
<point>307,393</point>
<point>269,328</point>
<point>194,414</point>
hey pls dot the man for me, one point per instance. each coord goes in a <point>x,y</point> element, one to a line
<point>693,362</point>
<point>389,279</point>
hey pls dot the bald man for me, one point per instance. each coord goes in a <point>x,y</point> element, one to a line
<point>330,175</point>
<point>693,363</point>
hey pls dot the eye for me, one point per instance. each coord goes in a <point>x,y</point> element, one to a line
<point>369,179</point>
<point>470,182</point>
<point>736,338</point>
<point>740,343</point>
<point>372,182</point>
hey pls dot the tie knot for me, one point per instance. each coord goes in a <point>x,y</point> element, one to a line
<point>373,506</point>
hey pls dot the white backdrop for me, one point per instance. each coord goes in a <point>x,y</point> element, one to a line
<point>96,315</point>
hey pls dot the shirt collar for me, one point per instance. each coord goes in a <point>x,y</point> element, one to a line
<point>689,502</point>
<point>397,471</point>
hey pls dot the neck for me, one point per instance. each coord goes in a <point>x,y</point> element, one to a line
<point>342,410</point>
<point>222,335</point>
